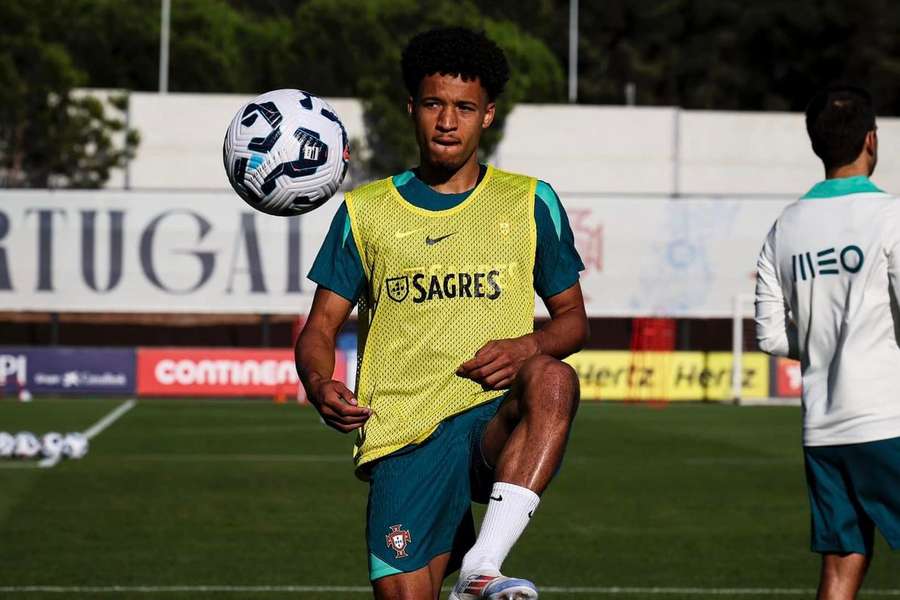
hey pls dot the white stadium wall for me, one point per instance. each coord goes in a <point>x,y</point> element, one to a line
<point>591,149</point>
<point>578,149</point>
<point>669,209</point>
<point>745,153</point>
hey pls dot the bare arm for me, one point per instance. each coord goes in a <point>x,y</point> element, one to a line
<point>497,363</point>
<point>314,356</point>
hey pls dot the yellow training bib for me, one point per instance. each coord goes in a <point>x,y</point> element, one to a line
<point>440,285</point>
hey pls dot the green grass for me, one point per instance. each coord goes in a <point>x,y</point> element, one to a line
<point>244,494</point>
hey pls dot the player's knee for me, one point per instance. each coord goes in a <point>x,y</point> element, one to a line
<point>405,586</point>
<point>554,385</point>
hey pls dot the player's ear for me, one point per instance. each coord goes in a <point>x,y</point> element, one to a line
<point>871,143</point>
<point>871,148</point>
<point>410,103</point>
<point>488,115</point>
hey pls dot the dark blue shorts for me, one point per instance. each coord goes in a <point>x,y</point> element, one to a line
<point>420,496</point>
<point>853,489</point>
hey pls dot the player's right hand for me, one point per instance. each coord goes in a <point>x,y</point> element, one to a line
<point>338,406</point>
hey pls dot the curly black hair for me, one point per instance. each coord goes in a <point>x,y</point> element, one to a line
<point>455,51</point>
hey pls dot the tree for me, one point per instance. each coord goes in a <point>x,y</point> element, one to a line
<point>50,137</point>
<point>214,47</point>
<point>368,47</point>
<point>721,54</point>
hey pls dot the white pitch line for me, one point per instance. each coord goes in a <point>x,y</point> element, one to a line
<point>17,465</point>
<point>94,430</point>
<point>281,589</point>
<point>50,461</point>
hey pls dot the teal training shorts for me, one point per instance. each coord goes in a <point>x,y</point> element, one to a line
<point>854,488</point>
<point>420,496</point>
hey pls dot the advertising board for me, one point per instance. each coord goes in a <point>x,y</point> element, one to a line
<point>68,370</point>
<point>221,372</point>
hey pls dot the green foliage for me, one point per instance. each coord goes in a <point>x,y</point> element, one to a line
<point>535,75</point>
<point>114,43</point>
<point>49,137</point>
<point>369,46</point>
<point>216,48</point>
<point>721,54</point>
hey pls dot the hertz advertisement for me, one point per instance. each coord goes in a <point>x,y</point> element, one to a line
<point>669,376</point>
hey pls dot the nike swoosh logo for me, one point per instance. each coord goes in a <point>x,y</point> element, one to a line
<point>432,241</point>
<point>402,234</point>
<point>530,512</point>
<point>498,498</point>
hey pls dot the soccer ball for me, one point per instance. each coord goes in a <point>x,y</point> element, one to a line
<point>27,445</point>
<point>75,445</point>
<point>286,152</point>
<point>51,444</point>
<point>7,444</point>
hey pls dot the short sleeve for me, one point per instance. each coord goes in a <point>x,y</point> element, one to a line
<point>337,266</point>
<point>557,263</point>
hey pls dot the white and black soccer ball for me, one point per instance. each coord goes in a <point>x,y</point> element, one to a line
<point>27,445</point>
<point>51,444</point>
<point>7,444</point>
<point>286,152</point>
<point>75,445</point>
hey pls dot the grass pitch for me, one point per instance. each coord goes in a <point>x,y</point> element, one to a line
<point>259,501</point>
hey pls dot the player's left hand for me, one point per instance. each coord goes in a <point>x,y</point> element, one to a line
<point>497,363</point>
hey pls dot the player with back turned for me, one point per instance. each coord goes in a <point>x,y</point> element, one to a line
<point>458,397</point>
<point>826,294</point>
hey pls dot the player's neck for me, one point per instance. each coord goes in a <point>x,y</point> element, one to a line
<point>446,181</point>
<point>854,169</point>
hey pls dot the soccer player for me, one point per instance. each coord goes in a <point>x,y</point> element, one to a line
<point>458,397</point>
<point>826,294</point>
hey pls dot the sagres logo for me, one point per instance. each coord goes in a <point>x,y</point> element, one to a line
<point>397,288</point>
<point>447,286</point>
<point>397,540</point>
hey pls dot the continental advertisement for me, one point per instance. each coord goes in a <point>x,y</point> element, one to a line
<point>668,376</point>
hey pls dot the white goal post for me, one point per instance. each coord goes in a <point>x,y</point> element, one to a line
<point>740,304</point>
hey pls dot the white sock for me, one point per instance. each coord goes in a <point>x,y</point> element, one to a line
<point>508,512</point>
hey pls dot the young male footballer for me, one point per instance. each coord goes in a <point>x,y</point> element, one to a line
<point>826,294</point>
<point>458,397</point>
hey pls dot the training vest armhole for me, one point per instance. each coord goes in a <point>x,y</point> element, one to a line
<point>349,199</point>
<point>532,191</point>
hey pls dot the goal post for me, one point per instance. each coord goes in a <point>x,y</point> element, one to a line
<point>742,305</point>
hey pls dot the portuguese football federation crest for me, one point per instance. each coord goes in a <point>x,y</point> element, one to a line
<point>397,540</point>
<point>397,288</point>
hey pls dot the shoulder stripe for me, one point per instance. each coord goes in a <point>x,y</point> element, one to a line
<point>346,230</point>
<point>402,179</point>
<point>551,201</point>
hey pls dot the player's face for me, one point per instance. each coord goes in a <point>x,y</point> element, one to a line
<point>449,114</point>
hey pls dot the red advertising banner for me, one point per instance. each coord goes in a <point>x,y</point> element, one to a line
<point>788,382</point>
<point>222,372</point>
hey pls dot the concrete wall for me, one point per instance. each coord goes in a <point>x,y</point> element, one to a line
<point>578,149</point>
